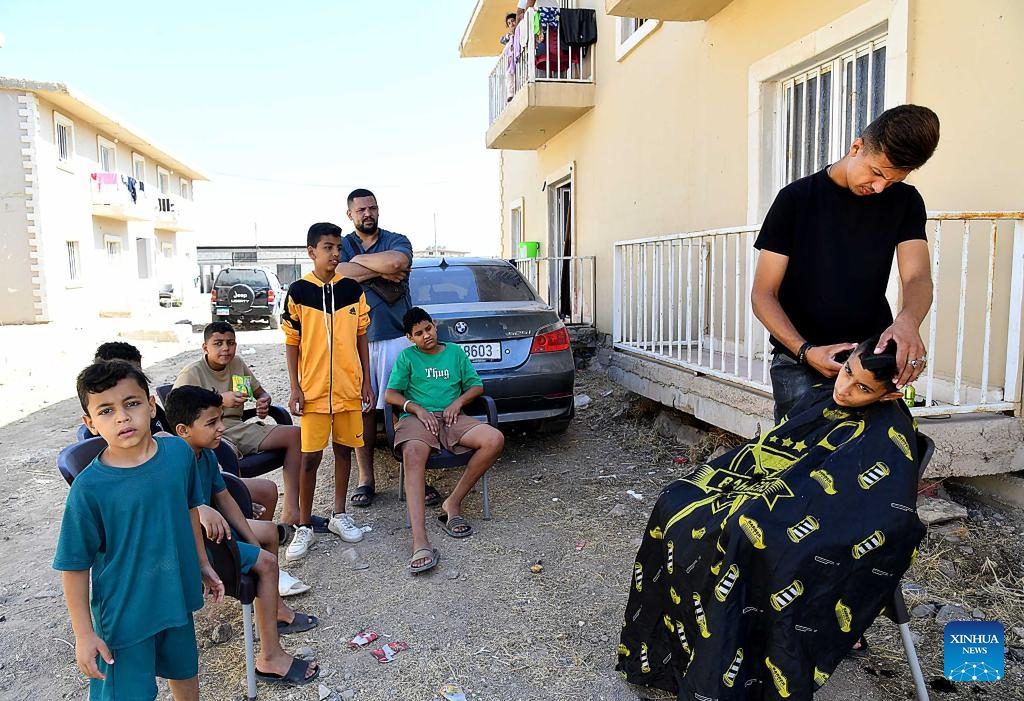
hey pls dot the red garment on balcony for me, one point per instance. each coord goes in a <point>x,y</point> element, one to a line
<point>552,57</point>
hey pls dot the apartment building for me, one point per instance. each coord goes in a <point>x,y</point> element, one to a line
<point>648,160</point>
<point>95,218</point>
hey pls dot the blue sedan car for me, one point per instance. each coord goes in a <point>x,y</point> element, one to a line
<point>517,343</point>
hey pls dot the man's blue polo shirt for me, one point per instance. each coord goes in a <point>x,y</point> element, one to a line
<point>385,319</point>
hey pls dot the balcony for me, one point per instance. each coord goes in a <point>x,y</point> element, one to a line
<point>535,95</point>
<point>116,196</point>
<point>669,10</point>
<point>173,213</point>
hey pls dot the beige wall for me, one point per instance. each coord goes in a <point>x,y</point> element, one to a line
<point>665,149</point>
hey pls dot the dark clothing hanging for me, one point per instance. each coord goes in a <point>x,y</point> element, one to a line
<point>577,28</point>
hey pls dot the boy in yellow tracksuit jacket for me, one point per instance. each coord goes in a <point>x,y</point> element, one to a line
<point>325,320</point>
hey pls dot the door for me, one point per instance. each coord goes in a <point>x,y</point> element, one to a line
<point>560,247</point>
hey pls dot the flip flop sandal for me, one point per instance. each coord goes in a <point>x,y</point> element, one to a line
<point>365,493</point>
<point>296,675</point>
<point>432,553</point>
<point>301,623</point>
<point>456,526</point>
<point>287,585</point>
<point>432,497</point>
<point>860,651</point>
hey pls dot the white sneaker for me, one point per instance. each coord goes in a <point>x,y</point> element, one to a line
<point>297,549</point>
<point>342,525</point>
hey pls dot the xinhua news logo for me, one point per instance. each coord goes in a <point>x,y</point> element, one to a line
<point>973,651</point>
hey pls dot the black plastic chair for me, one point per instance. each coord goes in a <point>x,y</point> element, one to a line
<point>224,556</point>
<point>249,465</point>
<point>482,407</point>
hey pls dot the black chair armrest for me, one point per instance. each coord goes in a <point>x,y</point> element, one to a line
<point>390,419</point>
<point>162,391</point>
<point>239,492</point>
<point>227,458</point>
<point>483,406</point>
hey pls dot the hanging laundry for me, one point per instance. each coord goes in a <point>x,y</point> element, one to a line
<point>129,182</point>
<point>548,16</point>
<point>577,28</point>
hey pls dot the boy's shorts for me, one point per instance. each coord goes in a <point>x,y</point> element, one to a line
<point>344,427</point>
<point>247,553</point>
<point>171,654</point>
<point>412,429</point>
<point>247,435</point>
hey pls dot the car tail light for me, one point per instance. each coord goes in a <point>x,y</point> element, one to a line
<point>213,295</point>
<point>550,338</point>
<point>270,296</point>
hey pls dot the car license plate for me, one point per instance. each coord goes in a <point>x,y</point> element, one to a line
<point>223,311</point>
<point>482,352</point>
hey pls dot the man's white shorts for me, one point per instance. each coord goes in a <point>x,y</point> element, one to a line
<point>382,359</point>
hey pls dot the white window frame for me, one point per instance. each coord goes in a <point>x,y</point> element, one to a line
<point>764,140</point>
<point>516,209</point>
<point>64,158</point>
<point>101,144</point>
<point>629,35</point>
<point>185,188</point>
<point>107,240</point>
<point>138,158</point>
<point>167,249</point>
<point>74,250</point>
<point>163,180</point>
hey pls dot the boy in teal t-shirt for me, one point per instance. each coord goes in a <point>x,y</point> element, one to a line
<point>196,414</point>
<point>131,522</point>
<point>432,382</point>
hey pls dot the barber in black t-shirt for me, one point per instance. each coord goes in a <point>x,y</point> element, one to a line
<point>827,245</point>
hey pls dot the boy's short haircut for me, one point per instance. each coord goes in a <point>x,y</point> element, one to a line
<point>186,403</point>
<point>118,350</point>
<point>319,230</point>
<point>217,327</point>
<point>906,134</point>
<point>104,374</point>
<point>359,192</point>
<point>416,315</point>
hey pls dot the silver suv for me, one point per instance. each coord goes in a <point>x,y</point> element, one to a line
<point>247,295</point>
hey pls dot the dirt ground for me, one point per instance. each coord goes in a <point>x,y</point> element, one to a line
<point>482,617</point>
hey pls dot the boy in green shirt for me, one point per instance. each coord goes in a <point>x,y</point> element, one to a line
<point>432,382</point>
<point>131,522</point>
<point>197,415</point>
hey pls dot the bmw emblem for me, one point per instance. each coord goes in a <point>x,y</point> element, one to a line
<point>461,327</point>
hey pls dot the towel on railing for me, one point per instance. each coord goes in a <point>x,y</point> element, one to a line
<point>577,28</point>
<point>104,179</point>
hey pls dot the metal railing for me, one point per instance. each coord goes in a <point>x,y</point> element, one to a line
<point>684,299</point>
<point>521,62</point>
<point>548,276</point>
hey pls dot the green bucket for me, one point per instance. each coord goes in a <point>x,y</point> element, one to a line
<point>529,249</point>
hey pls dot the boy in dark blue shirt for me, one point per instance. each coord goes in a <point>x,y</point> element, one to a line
<point>131,522</point>
<point>197,415</point>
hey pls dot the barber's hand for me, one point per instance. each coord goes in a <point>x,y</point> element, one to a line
<point>911,354</point>
<point>296,401</point>
<point>427,418</point>
<point>823,358</point>
<point>263,406</point>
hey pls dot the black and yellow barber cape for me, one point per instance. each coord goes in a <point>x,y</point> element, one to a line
<point>759,570</point>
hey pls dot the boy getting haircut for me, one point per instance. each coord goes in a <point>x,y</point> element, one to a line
<point>324,322</point>
<point>145,581</point>
<point>196,415</point>
<point>432,382</point>
<point>222,371</point>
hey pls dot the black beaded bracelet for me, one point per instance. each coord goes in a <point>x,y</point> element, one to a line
<point>801,356</point>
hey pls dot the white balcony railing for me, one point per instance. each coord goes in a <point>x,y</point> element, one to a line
<point>521,62</point>
<point>567,283</point>
<point>119,191</point>
<point>684,299</point>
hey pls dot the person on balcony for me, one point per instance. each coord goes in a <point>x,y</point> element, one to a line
<point>760,569</point>
<point>827,245</point>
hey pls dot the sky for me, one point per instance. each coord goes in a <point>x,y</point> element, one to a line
<point>287,107</point>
